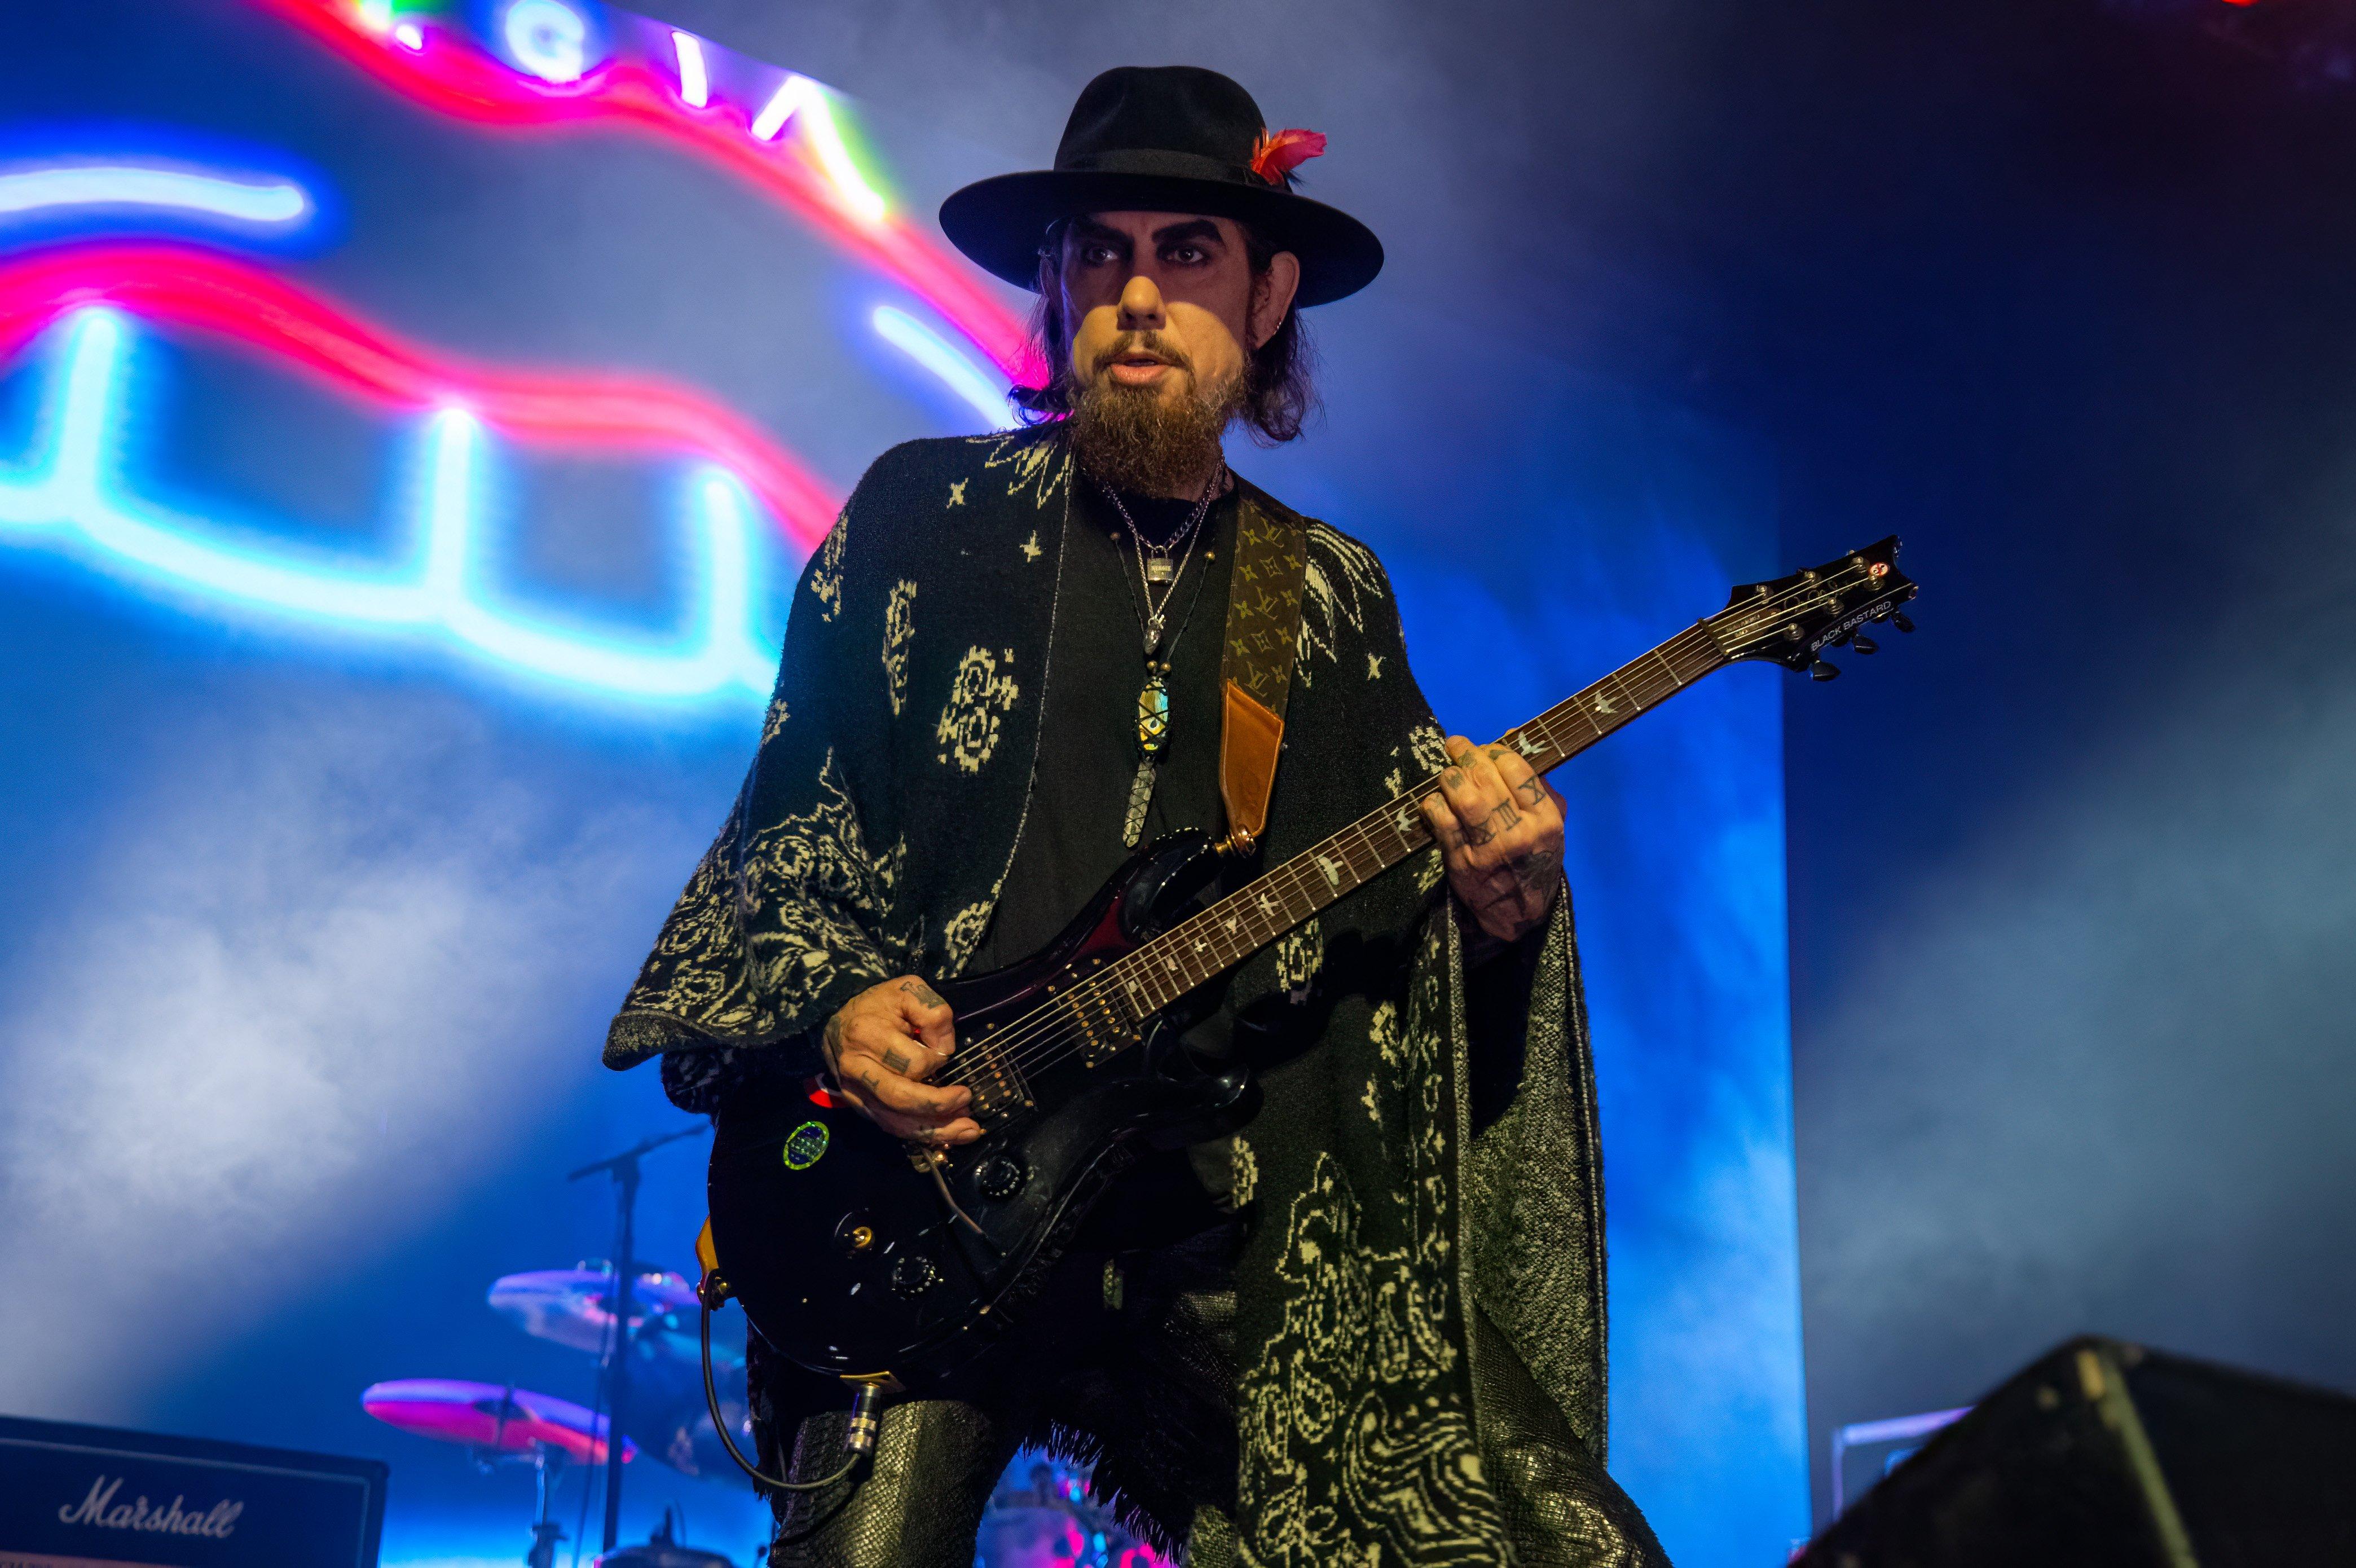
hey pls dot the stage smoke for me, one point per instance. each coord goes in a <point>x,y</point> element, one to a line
<point>261,1054</point>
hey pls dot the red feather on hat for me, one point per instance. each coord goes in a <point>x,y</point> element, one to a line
<point>1275,155</point>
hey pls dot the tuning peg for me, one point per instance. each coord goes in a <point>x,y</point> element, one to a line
<point>1900,619</point>
<point>1864,644</point>
<point>1820,671</point>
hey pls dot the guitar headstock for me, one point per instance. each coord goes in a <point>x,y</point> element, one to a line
<point>1790,620</point>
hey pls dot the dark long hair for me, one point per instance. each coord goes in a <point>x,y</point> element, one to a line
<point>1278,394</point>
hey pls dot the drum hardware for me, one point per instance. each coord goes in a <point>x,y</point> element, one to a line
<point>632,1311</point>
<point>624,1168</point>
<point>662,1549</point>
<point>502,1424</point>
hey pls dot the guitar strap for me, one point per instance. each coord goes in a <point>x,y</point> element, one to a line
<point>1256,664</point>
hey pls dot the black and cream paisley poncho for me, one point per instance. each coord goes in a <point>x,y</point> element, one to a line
<point>1420,1311</point>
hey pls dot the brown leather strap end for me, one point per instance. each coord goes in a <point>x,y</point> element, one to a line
<point>1250,740</point>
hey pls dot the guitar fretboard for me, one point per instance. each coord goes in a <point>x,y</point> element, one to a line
<point>1214,940</point>
<point>1784,622</point>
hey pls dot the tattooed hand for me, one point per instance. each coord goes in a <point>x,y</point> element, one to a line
<point>1500,830</point>
<point>883,1046</point>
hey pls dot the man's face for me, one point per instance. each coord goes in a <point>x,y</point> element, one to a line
<point>1165,304</point>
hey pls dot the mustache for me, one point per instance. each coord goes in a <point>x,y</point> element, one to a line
<point>1147,342</point>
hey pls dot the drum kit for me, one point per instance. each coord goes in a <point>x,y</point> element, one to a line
<point>1052,1522</point>
<point>666,1420</point>
<point>640,1323</point>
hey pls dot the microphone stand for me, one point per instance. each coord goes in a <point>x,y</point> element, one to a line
<point>624,1168</point>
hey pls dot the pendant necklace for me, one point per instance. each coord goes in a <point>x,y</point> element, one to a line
<point>1158,569</point>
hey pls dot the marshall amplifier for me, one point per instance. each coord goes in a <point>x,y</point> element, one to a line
<point>85,1496</point>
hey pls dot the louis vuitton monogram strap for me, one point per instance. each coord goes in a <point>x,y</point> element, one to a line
<point>1256,661</point>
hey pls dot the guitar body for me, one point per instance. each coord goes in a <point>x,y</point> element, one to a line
<point>847,1253</point>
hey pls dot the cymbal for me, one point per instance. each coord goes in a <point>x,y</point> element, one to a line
<point>570,1307</point>
<point>501,1418</point>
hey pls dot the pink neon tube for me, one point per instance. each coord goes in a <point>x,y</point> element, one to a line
<point>200,290</point>
<point>455,78</point>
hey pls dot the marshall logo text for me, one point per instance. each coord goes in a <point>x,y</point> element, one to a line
<point>100,1510</point>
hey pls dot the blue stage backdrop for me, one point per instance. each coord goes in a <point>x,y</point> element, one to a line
<point>412,419</point>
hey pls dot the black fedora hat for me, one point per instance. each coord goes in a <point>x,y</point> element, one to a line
<point>1173,138</point>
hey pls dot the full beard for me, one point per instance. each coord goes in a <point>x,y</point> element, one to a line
<point>1136,439</point>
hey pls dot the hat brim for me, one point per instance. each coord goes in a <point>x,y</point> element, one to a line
<point>1000,222</point>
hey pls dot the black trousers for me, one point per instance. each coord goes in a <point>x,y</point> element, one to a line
<point>1131,1363</point>
<point>1126,1360</point>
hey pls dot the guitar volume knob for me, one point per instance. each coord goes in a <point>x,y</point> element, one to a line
<point>854,1233</point>
<point>914,1274</point>
<point>1001,1177</point>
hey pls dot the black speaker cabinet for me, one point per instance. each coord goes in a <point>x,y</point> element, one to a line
<point>2104,1454</point>
<point>88,1496</point>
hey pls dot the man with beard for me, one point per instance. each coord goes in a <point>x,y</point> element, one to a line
<point>1368,1327</point>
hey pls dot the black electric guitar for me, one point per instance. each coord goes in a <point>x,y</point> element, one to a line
<point>857,1256</point>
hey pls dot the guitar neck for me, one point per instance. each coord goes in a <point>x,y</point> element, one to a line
<point>1214,940</point>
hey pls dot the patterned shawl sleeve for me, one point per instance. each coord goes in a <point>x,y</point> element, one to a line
<point>784,919</point>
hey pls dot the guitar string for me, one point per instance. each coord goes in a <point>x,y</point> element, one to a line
<point>1030,1044</point>
<point>1681,646</point>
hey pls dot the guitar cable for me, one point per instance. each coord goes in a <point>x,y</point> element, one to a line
<point>862,1436</point>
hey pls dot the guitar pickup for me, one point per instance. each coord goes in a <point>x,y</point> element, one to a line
<point>999,1086</point>
<point>1105,1030</point>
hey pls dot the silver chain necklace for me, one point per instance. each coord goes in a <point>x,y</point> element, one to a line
<point>1153,697</point>
<point>1155,565</point>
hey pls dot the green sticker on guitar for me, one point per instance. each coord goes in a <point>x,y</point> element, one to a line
<point>803,1144</point>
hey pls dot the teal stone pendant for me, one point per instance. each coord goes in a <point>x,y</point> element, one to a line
<point>1152,734</point>
<point>1154,710</point>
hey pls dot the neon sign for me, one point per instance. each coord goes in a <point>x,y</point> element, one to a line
<point>212,293</point>
<point>557,66</point>
<point>985,394</point>
<point>88,191</point>
<point>75,494</point>
<point>265,205</point>
<point>694,81</point>
<point>644,84</point>
<point>546,37</point>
